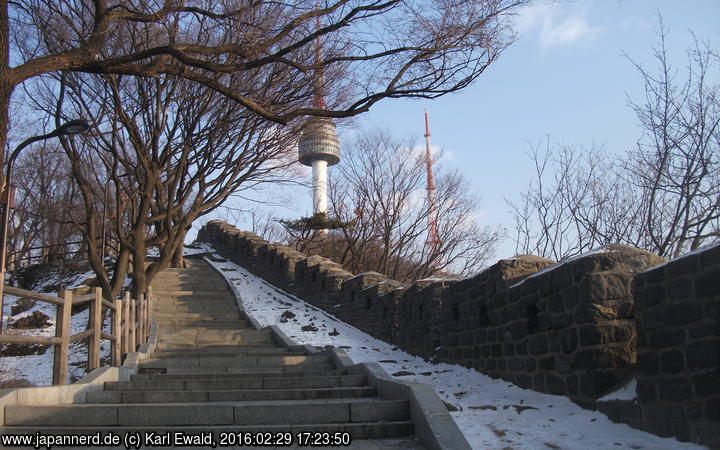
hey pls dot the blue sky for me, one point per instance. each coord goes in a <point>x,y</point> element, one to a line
<point>566,76</point>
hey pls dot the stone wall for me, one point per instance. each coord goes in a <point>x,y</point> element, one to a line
<point>678,322</point>
<point>569,329</point>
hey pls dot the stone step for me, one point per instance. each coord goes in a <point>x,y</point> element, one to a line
<point>236,376</point>
<point>204,384</point>
<point>268,412</point>
<point>198,316</point>
<point>359,431</point>
<point>171,396</point>
<point>228,325</point>
<point>240,351</point>
<point>165,346</point>
<point>222,369</point>
<point>237,361</point>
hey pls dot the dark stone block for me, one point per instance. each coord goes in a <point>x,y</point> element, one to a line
<point>601,358</point>
<point>666,338</point>
<point>672,361</point>
<point>521,348</point>
<point>708,283</point>
<point>529,286</point>
<point>681,266</point>
<point>679,288</point>
<point>708,436</point>
<point>675,389</point>
<point>539,382</point>
<point>530,364</point>
<point>645,390</point>
<point>655,275</point>
<point>516,364</point>
<point>693,410</point>
<point>556,303</point>
<point>682,313</point>
<point>519,329</point>
<point>710,257</point>
<point>544,321</point>
<point>653,296</point>
<point>508,349</point>
<point>592,288</point>
<point>501,364</point>
<point>561,277</point>
<point>713,310</point>
<point>626,310</point>
<point>571,297</point>
<point>668,421</point>
<point>555,384</point>
<point>537,344</point>
<point>712,409</point>
<point>699,330</point>
<point>591,312</point>
<point>560,321</point>
<point>568,340</point>
<point>573,384</point>
<point>707,383</point>
<point>652,319</point>
<point>523,380</point>
<point>547,363</point>
<point>491,364</point>
<point>597,383</point>
<point>703,354</point>
<point>563,364</point>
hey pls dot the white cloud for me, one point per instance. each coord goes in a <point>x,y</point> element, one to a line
<point>557,24</point>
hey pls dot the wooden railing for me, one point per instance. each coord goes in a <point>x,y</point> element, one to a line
<point>130,327</point>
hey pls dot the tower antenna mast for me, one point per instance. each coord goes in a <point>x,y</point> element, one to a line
<point>432,240</point>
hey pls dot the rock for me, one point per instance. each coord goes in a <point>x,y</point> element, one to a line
<point>286,315</point>
<point>310,327</point>
<point>15,383</point>
<point>450,407</point>
<point>22,305</point>
<point>35,320</point>
<point>402,373</point>
<point>335,332</point>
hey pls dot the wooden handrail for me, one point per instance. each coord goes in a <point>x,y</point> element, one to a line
<point>130,323</point>
<point>30,340</point>
<point>12,290</point>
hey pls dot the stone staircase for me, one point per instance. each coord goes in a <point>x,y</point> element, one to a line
<point>212,371</point>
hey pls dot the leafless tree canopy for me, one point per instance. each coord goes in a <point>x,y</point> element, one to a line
<point>378,193</point>
<point>371,49</point>
<point>662,196</point>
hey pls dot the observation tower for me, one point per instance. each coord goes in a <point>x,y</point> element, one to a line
<point>319,146</point>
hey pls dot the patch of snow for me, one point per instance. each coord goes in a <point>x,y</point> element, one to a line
<point>491,413</point>
<point>627,392</point>
<point>685,255</point>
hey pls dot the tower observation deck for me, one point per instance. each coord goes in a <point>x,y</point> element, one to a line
<point>319,148</point>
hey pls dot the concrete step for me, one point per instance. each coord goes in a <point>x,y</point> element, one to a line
<point>223,369</point>
<point>170,396</point>
<point>359,431</point>
<point>267,412</point>
<point>239,383</point>
<point>201,323</point>
<point>236,376</point>
<point>240,351</point>
<point>209,315</point>
<point>237,361</point>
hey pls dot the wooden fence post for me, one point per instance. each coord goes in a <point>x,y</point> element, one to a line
<point>151,306</point>
<point>62,330</point>
<point>126,323</point>
<point>133,321</point>
<point>116,350</point>
<point>96,325</point>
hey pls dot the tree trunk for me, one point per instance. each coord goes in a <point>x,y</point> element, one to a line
<point>177,261</point>
<point>6,86</point>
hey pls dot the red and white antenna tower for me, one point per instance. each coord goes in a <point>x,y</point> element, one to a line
<point>432,240</point>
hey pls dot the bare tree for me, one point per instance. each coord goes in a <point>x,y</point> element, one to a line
<point>371,49</point>
<point>662,196</point>
<point>378,195</point>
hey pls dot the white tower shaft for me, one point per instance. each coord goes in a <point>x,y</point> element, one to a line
<point>319,171</point>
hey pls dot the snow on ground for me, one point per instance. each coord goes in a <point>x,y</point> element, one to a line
<point>491,413</point>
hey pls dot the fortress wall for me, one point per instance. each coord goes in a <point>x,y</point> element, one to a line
<point>678,322</point>
<point>572,329</point>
